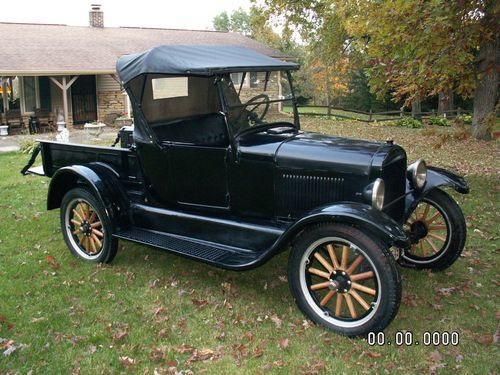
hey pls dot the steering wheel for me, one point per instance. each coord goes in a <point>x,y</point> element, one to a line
<point>251,114</point>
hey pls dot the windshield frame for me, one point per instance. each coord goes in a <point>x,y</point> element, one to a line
<point>226,107</point>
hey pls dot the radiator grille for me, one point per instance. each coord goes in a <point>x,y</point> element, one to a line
<point>394,175</point>
<point>298,192</point>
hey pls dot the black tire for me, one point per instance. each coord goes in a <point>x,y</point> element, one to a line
<point>92,240</point>
<point>443,253</point>
<point>386,282</point>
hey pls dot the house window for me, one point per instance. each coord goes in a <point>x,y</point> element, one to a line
<point>254,79</point>
<point>236,78</point>
<point>29,93</point>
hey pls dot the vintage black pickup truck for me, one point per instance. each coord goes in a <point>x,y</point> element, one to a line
<point>219,172</point>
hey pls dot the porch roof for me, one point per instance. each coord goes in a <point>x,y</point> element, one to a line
<point>39,49</point>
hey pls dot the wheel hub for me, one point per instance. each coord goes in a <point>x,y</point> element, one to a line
<point>419,229</point>
<point>340,281</point>
<point>86,228</point>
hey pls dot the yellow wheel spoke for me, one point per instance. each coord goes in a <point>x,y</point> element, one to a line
<point>363,289</point>
<point>92,245</point>
<point>92,217</point>
<point>77,223</point>
<point>345,255</point>
<point>440,238</point>
<point>323,261</point>
<point>75,212</point>
<point>426,211</point>
<point>97,232</point>
<point>437,227</point>
<point>328,297</point>
<point>360,299</point>
<point>86,244</point>
<point>76,231</point>
<point>433,217</point>
<point>338,305</point>
<point>322,285</point>
<point>96,224</point>
<point>333,257</point>
<point>434,247</point>
<point>422,248</point>
<point>355,264</point>
<point>362,276</point>
<point>82,239</point>
<point>350,305</point>
<point>97,241</point>
<point>317,272</point>
<point>80,207</point>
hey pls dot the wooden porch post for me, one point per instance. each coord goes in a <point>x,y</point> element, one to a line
<point>64,86</point>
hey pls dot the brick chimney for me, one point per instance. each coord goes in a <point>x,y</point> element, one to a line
<point>96,16</point>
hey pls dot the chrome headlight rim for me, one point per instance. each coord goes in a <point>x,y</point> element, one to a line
<point>378,194</point>
<point>419,174</point>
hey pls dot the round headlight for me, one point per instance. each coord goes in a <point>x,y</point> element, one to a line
<point>419,174</point>
<point>378,194</point>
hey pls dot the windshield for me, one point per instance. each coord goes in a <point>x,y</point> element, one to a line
<point>257,98</point>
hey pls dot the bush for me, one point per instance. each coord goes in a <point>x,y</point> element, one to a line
<point>409,122</point>
<point>465,119</point>
<point>439,121</point>
<point>27,146</point>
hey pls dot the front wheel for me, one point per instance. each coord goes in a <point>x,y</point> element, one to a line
<point>86,227</point>
<point>438,228</point>
<point>344,280</point>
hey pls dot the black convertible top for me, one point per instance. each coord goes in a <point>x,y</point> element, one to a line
<point>197,60</point>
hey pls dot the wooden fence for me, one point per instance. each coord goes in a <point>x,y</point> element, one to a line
<point>371,116</point>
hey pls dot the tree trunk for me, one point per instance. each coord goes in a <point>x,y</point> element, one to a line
<point>485,96</point>
<point>445,102</point>
<point>416,109</point>
<point>327,88</point>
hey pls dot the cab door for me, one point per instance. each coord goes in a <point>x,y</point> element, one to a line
<point>199,175</point>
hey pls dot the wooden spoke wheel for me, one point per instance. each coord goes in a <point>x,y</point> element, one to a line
<point>344,280</point>
<point>86,226</point>
<point>438,231</point>
<point>341,280</point>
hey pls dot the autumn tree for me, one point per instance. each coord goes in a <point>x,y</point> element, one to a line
<point>413,49</point>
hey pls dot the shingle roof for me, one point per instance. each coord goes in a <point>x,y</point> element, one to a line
<point>59,49</point>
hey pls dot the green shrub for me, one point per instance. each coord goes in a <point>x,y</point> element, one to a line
<point>438,120</point>
<point>27,146</point>
<point>465,119</point>
<point>409,122</point>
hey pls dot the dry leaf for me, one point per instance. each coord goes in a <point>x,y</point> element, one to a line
<point>276,320</point>
<point>283,343</point>
<point>127,361</point>
<point>52,261</point>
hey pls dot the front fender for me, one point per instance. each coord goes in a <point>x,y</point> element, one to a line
<point>436,177</point>
<point>361,215</point>
<point>99,178</point>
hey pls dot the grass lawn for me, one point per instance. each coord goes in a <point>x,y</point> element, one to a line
<point>152,310</point>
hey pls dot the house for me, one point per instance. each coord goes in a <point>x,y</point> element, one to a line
<point>70,70</point>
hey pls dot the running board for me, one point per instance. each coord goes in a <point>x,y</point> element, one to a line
<point>209,252</point>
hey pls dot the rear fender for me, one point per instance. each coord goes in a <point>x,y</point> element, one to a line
<point>360,215</point>
<point>101,179</point>
<point>436,177</point>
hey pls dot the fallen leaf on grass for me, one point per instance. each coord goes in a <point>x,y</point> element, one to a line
<point>184,349</point>
<point>315,368</point>
<point>283,343</point>
<point>204,355</point>
<point>163,333</point>
<point>486,339</point>
<point>52,261</point>
<point>200,302</point>
<point>40,319</point>
<point>446,291</point>
<point>127,362</point>
<point>119,335</point>
<point>370,354</point>
<point>276,320</point>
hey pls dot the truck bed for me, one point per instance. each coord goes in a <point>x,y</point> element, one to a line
<point>56,155</point>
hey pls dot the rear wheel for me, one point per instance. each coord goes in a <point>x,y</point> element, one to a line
<point>86,227</point>
<point>439,229</point>
<point>344,280</point>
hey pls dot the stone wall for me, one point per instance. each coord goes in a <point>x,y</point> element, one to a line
<point>110,104</point>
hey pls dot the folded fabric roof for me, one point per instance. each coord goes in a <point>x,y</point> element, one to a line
<point>196,60</point>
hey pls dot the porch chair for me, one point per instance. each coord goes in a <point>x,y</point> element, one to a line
<point>46,119</point>
<point>15,121</point>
